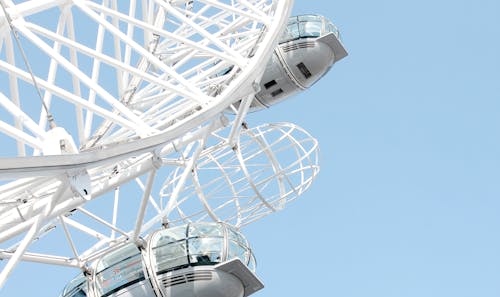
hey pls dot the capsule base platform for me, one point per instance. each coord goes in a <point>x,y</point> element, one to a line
<point>228,279</point>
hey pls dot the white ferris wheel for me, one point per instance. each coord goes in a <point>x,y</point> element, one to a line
<point>101,99</point>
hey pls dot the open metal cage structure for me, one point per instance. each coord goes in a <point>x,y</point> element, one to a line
<point>101,99</point>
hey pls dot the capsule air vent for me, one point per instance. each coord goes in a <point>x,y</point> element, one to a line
<point>295,46</point>
<point>186,278</point>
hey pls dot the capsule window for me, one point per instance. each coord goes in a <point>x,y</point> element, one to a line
<point>170,256</point>
<point>118,270</point>
<point>311,29</point>
<point>236,250</point>
<point>304,70</point>
<point>269,84</point>
<point>205,251</point>
<point>76,288</point>
<point>276,92</point>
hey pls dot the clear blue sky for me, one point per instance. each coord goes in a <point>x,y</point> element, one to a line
<point>408,199</point>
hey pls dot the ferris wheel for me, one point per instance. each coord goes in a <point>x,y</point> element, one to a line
<point>101,99</point>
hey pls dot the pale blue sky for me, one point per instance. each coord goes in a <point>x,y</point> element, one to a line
<point>407,202</point>
<point>408,199</point>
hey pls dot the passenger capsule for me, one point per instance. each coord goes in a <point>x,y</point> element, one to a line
<point>194,260</point>
<point>307,50</point>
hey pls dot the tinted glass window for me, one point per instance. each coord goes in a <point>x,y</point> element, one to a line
<point>310,29</point>
<point>76,288</point>
<point>204,251</point>
<point>170,255</point>
<point>119,269</point>
<point>303,26</point>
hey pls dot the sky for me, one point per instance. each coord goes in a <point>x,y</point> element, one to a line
<point>407,202</point>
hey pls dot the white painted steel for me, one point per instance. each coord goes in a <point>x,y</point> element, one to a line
<point>132,83</point>
<point>269,166</point>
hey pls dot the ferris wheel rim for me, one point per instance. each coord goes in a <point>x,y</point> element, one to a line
<point>32,166</point>
<point>210,107</point>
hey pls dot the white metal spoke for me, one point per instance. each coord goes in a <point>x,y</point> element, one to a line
<point>75,82</point>
<point>171,36</point>
<point>152,59</point>
<point>144,204</point>
<point>94,76</point>
<point>227,50</point>
<point>236,11</point>
<point>14,90</point>
<point>70,240</point>
<point>47,98</point>
<point>21,137</point>
<point>98,219</point>
<point>44,259</point>
<point>22,119</point>
<point>152,201</point>
<point>110,61</point>
<point>97,88</point>
<point>63,94</point>
<point>85,229</point>
<point>139,89</point>
<point>116,201</point>
<point>28,238</point>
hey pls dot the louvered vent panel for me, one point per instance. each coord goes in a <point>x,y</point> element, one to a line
<point>186,278</point>
<point>295,46</point>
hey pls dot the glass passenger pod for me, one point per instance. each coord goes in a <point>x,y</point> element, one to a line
<point>309,47</point>
<point>131,272</point>
<point>198,244</point>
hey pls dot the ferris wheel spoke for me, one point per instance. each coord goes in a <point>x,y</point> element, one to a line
<point>259,17</point>
<point>257,9</point>
<point>68,96</point>
<point>21,118</point>
<point>112,226</point>
<point>144,203</point>
<point>51,76</point>
<point>44,259</point>
<point>70,241</point>
<point>237,59</point>
<point>152,201</point>
<point>85,79</point>
<point>16,73</point>
<point>142,87</point>
<point>97,56</point>
<point>13,88</point>
<point>85,7</point>
<point>34,229</point>
<point>21,137</point>
<point>172,37</point>
<point>182,180</point>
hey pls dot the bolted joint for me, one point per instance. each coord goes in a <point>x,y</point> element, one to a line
<point>156,161</point>
<point>141,243</point>
<point>80,183</point>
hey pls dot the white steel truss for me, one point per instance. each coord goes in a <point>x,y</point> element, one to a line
<point>132,88</point>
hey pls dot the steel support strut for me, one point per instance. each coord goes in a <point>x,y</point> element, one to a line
<point>33,231</point>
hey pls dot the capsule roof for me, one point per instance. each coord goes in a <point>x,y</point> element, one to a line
<point>308,25</point>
